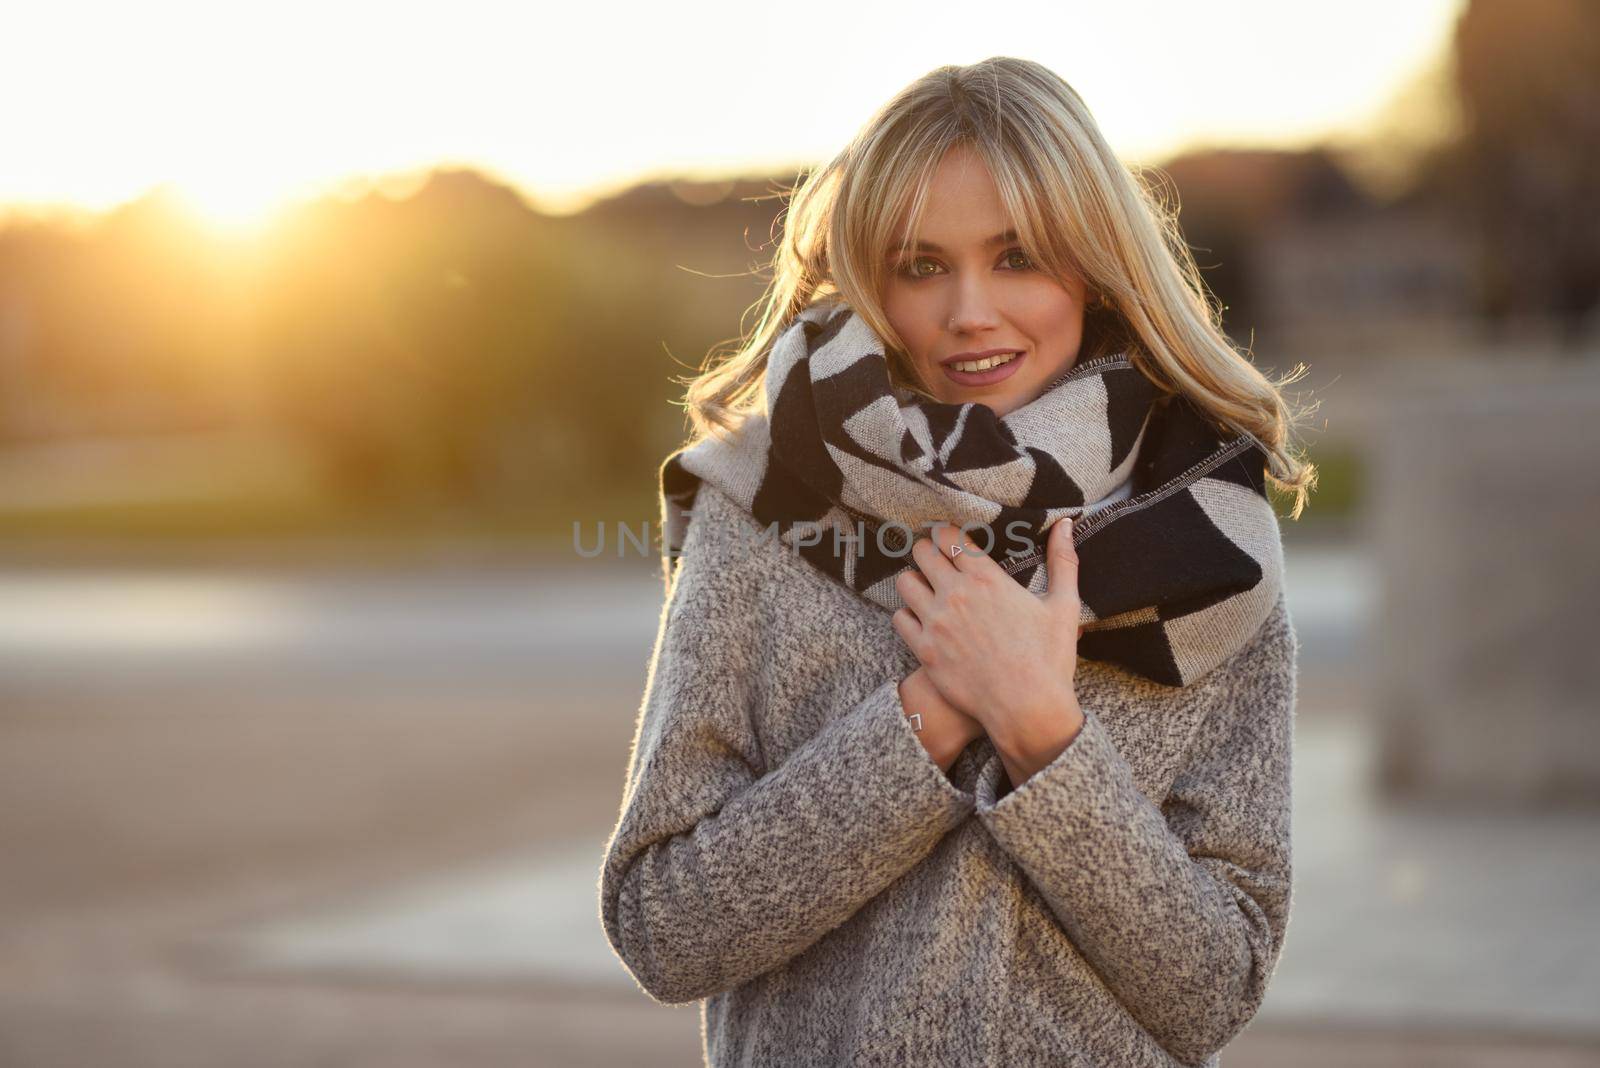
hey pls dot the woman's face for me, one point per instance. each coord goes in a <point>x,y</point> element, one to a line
<point>968,290</point>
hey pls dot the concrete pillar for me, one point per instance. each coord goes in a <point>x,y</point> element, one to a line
<point>1484,513</point>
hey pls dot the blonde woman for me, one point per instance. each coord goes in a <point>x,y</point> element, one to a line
<point>966,738</point>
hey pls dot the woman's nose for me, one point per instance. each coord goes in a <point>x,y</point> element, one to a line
<point>973,308</point>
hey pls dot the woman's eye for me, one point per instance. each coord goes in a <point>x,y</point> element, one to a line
<point>911,267</point>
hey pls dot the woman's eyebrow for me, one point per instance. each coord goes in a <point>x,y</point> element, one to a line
<point>1008,235</point>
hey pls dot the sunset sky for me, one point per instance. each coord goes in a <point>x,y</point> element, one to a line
<point>243,107</point>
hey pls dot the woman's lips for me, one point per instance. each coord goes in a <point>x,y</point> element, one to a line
<point>985,378</point>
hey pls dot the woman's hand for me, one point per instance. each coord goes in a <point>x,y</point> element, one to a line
<point>945,730</point>
<point>997,652</point>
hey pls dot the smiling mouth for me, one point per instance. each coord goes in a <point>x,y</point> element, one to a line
<point>984,372</point>
<point>975,366</point>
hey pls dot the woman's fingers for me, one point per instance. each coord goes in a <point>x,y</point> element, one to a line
<point>914,591</point>
<point>1061,565</point>
<point>973,557</point>
<point>936,567</point>
<point>935,557</point>
<point>907,625</point>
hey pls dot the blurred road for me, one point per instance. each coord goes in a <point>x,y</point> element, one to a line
<point>346,817</point>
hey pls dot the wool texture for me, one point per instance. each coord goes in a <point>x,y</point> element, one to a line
<point>1180,558</point>
<point>788,854</point>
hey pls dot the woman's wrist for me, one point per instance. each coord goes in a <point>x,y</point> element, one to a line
<point>1034,739</point>
<point>944,730</point>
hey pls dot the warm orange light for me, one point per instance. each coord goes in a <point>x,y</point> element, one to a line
<point>233,205</point>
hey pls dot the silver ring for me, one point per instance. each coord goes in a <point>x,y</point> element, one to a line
<point>955,551</point>
<point>918,717</point>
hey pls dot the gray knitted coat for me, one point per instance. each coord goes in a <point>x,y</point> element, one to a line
<point>788,851</point>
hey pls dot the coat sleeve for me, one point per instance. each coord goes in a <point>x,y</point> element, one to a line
<point>720,868</point>
<point>1182,908</point>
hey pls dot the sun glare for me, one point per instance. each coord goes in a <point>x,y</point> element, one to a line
<point>235,208</point>
<point>237,108</point>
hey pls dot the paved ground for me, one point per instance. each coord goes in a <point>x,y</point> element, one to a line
<point>342,820</point>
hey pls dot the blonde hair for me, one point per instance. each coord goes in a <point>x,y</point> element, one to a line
<point>1079,213</point>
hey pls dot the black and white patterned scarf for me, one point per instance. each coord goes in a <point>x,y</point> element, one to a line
<point>1179,550</point>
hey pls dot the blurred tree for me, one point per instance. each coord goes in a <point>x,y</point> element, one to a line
<point>1529,76</point>
<point>451,348</point>
<point>460,348</point>
<point>1231,198</point>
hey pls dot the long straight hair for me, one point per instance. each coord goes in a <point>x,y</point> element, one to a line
<point>1079,213</point>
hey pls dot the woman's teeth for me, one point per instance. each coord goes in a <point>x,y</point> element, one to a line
<point>985,364</point>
